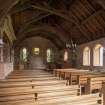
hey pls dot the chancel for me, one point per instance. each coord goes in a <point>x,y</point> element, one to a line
<point>52,52</point>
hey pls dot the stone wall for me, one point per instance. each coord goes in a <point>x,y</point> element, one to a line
<point>91,45</point>
<point>5,69</point>
<point>6,65</point>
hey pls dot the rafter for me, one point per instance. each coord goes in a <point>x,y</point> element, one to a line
<point>32,20</point>
<point>88,4</point>
<point>92,16</point>
<point>88,19</point>
<point>19,8</point>
<point>101,3</point>
<point>53,11</point>
<point>62,16</point>
<point>5,9</point>
<point>81,30</point>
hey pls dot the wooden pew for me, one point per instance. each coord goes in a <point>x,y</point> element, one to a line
<point>80,77</point>
<point>29,76</point>
<point>16,97</point>
<point>23,89</point>
<point>94,84</point>
<point>75,100</point>
<point>56,88</point>
<point>48,93</point>
<point>64,73</point>
<point>25,72</point>
<point>89,81</point>
<point>31,83</point>
<point>28,79</point>
<point>20,102</point>
<point>16,91</point>
<point>73,75</point>
<point>20,93</point>
<point>57,72</point>
<point>93,99</point>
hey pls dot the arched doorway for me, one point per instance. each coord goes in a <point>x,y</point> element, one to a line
<point>36,59</point>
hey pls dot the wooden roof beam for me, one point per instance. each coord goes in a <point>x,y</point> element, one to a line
<point>101,3</point>
<point>66,17</point>
<point>31,20</point>
<point>6,8</point>
<point>89,18</point>
<point>54,11</point>
<point>81,29</point>
<point>20,7</point>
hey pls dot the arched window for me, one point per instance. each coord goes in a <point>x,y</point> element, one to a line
<point>66,55</point>
<point>86,56</point>
<point>23,55</point>
<point>36,51</point>
<point>50,55</point>
<point>98,55</point>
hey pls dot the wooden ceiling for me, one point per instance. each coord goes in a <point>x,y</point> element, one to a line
<point>59,20</point>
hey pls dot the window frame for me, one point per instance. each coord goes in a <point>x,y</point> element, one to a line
<point>86,53</point>
<point>35,52</point>
<point>101,57</point>
<point>22,54</point>
<point>66,56</point>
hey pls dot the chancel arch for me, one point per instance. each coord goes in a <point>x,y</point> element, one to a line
<point>43,30</point>
<point>41,50</point>
<point>47,35</point>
